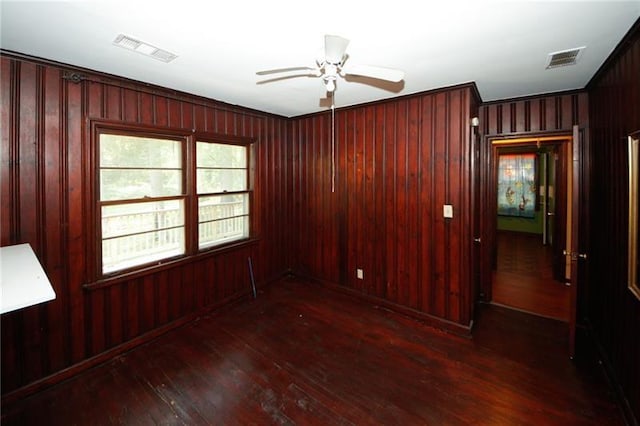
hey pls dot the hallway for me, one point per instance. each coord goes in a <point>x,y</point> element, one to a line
<point>524,278</point>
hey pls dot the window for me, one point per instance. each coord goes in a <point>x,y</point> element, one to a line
<point>223,195</point>
<point>154,203</point>
<point>142,200</point>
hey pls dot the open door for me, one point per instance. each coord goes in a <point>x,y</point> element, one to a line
<point>554,188</point>
<point>573,253</point>
<point>562,164</point>
<point>547,188</point>
<point>476,206</point>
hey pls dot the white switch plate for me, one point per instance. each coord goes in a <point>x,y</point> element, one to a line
<point>447,211</point>
<point>360,274</point>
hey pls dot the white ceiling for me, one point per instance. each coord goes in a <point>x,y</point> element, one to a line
<point>502,46</point>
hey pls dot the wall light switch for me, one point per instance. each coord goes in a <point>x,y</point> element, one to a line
<point>447,211</point>
<point>360,274</point>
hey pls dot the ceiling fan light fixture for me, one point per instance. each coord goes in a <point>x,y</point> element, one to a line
<point>331,84</point>
<point>332,65</point>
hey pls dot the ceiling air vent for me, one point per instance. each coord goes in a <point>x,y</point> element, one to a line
<point>144,48</point>
<point>564,57</point>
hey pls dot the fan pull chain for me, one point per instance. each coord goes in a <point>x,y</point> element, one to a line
<point>333,144</point>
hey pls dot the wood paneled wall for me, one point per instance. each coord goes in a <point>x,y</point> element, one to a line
<point>397,164</point>
<point>535,115</point>
<point>44,140</point>
<point>613,310</point>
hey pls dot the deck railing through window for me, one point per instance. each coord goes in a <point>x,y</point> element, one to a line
<point>163,232</point>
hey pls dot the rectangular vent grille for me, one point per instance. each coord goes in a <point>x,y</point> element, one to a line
<point>564,57</point>
<point>144,48</point>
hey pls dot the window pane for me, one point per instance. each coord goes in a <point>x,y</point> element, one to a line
<point>219,180</point>
<point>125,219</point>
<point>222,219</point>
<point>140,233</point>
<point>221,155</point>
<point>139,152</point>
<point>130,184</point>
<point>223,231</point>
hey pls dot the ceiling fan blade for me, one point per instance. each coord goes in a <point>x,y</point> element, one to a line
<point>380,73</point>
<point>334,48</point>
<point>279,70</point>
<point>285,77</point>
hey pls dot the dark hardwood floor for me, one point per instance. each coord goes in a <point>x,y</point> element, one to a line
<point>304,354</point>
<point>524,279</point>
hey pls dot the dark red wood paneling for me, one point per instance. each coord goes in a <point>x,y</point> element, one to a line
<point>614,103</point>
<point>397,163</point>
<point>551,113</point>
<point>45,155</point>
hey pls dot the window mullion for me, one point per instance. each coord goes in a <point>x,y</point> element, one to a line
<point>192,196</point>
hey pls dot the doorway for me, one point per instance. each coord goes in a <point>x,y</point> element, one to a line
<point>531,185</point>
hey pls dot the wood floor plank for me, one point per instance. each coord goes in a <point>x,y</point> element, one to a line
<point>524,280</point>
<point>301,354</point>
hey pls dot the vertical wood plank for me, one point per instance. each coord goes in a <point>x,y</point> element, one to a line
<point>161,111</point>
<point>378,192</point>
<point>131,306</point>
<point>162,302</point>
<point>440,182</point>
<point>402,188</point>
<point>130,106</point>
<point>390,214</point>
<point>426,211</point>
<point>414,258</point>
<point>9,103</point>
<point>146,109</point>
<point>113,103</point>
<point>456,190</point>
<point>30,201</point>
<point>53,188</point>
<point>147,305</point>
<point>75,217</point>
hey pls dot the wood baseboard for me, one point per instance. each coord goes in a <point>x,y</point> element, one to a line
<point>430,320</point>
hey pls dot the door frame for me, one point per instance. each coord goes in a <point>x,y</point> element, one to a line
<point>489,228</point>
<point>575,155</point>
<point>579,162</point>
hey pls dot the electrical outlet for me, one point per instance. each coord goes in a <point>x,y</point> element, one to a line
<point>447,211</point>
<point>360,274</point>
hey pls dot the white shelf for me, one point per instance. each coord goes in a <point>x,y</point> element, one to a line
<point>23,282</point>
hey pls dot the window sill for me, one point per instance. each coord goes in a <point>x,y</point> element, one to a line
<point>167,264</point>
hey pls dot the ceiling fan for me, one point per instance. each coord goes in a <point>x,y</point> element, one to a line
<point>333,65</point>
